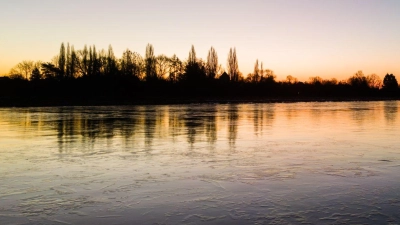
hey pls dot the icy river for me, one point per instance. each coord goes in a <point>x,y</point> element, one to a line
<point>292,163</point>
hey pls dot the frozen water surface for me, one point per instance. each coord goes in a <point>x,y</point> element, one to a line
<point>299,163</point>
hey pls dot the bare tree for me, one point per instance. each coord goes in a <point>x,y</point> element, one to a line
<point>358,80</point>
<point>62,60</point>
<point>102,60</point>
<point>176,68</point>
<point>192,56</point>
<point>212,63</point>
<point>96,63</point>
<point>68,61</point>
<point>74,61</point>
<point>16,70</point>
<point>374,81</point>
<point>85,61</point>
<point>256,74</point>
<point>269,76</point>
<point>23,68</point>
<point>111,62</point>
<point>162,66</point>
<point>90,62</point>
<point>71,61</point>
<point>139,63</point>
<point>132,64</point>
<point>332,81</point>
<point>233,67</point>
<point>127,65</point>
<point>150,61</point>
<point>291,80</point>
<point>315,80</point>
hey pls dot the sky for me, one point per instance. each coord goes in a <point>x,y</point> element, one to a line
<point>302,38</point>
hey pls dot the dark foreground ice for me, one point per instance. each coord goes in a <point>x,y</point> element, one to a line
<point>300,163</point>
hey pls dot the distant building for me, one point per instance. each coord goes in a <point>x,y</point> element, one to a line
<point>224,77</point>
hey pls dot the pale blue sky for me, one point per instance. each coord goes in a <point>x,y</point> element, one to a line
<point>303,38</point>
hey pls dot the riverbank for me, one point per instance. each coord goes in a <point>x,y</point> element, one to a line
<point>105,101</point>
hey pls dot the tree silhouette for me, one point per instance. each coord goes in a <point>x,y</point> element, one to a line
<point>358,80</point>
<point>72,63</point>
<point>176,69</point>
<point>332,81</point>
<point>139,63</point>
<point>111,67</point>
<point>195,70</point>
<point>316,80</point>
<point>36,75</point>
<point>127,66</point>
<point>291,80</point>
<point>192,56</point>
<point>61,61</point>
<point>99,76</point>
<point>374,81</point>
<point>256,75</point>
<point>95,62</point>
<point>390,82</point>
<point>90,62</point>
<point>50,71</point>
<point>212,63</point>
<point>162,66</point>
<point>68,62</point>
<point>24,68</point>
<point>150,62</point>
<point>84,65</point>
<point>269,77</point>
<point>233,66</point>
<point>131,64</point>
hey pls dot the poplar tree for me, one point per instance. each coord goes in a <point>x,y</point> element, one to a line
<point>150,63</point>
<point>111,63</point>
<point>90,62</point>
<point>233,66</point>
<point>95,62</point>
<point>68,62</point>
<point>192,56</point>
<point>127,66</point>
<point>85,61</point>
<point>61,61</point>
<point>256,72</point>
<point>212,63</point>
<point>73,62</point>
<point>195,71</point>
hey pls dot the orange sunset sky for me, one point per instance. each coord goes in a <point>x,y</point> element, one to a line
<point>302,38</point>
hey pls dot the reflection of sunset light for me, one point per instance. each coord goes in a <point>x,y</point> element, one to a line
<point>296,156</point>
<point>218,125</point>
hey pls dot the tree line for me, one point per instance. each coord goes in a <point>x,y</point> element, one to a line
<point>88,62</point>
<point>92,72</point>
